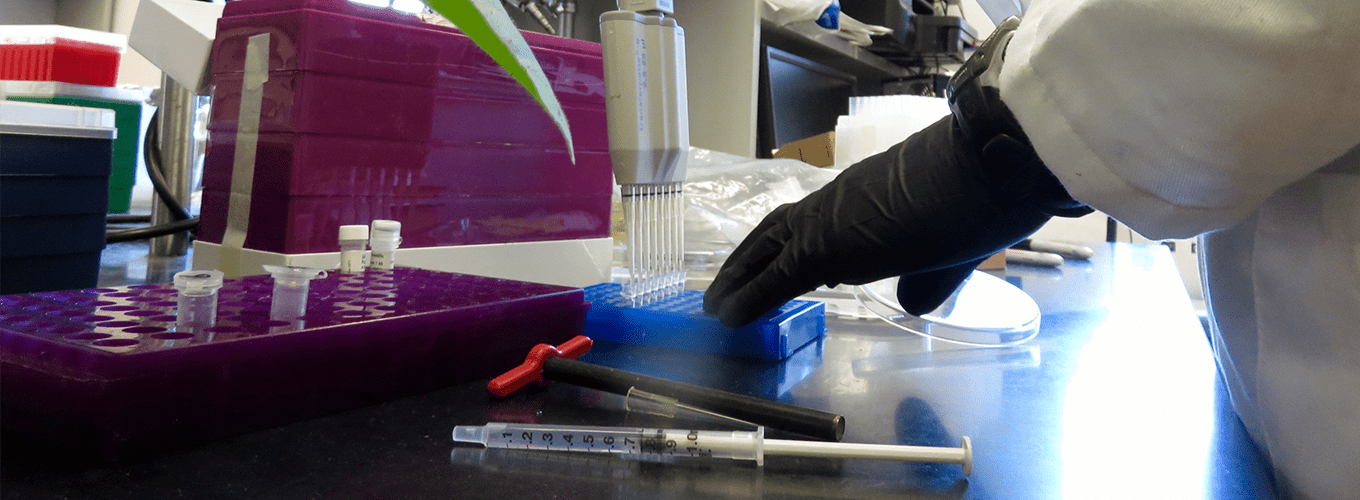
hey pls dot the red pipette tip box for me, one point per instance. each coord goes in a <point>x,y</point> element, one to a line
<point>60,54</point>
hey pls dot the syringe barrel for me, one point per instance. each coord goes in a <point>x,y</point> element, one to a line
<point>632,442</point>
<point>475,433</point>
<point>736,445</point>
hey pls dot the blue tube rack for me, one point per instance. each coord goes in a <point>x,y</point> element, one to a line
<point>679,322</point>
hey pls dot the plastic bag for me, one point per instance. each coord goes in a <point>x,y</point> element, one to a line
<point>825,14</point>
<point>727,195</point>
<point>859,33</point>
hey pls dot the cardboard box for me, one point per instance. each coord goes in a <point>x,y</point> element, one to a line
<point>997,262</point>
<point>818,150</point>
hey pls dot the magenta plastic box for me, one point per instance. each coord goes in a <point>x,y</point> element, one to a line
<point>359,166</point>
<point>105,374</point>
<point>370,113</point>
<point>344,38</point>
<point>314,103</point>
<point>311,222</point>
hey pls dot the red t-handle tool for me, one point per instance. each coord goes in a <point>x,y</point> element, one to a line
<point>532,369</point>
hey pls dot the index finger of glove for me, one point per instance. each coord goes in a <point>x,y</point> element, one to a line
<point>781,281</point>
<point>749,259</point>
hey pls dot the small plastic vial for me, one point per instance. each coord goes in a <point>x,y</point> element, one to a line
<point>384,240</point>
<point>197,303</point>
<point>290,291</point>
<point>353,239</point>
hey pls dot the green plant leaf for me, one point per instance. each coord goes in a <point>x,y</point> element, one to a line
<point>487,24</point>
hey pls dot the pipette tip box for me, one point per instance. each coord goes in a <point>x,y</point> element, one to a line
<point>60,53</point>
<point>679,322</point>
<point>127,107</point>
<point>429,130</point>
<point>54,179</point>
<point>104,374</point>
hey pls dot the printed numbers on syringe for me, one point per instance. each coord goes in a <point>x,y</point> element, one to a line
<point>554,441</point>
<point>659,443</point>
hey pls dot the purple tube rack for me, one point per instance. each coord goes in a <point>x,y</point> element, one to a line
<point>103,373</point>
<point>369,113</point>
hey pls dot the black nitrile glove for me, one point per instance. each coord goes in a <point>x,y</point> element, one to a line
<point>928,209</point>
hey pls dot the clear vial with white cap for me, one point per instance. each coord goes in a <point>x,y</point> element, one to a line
<point>290,291</point>
<point>384,240</point>
<point>197,303</point>
<point>353,239</point>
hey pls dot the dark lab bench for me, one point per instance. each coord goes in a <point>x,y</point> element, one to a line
<point>1118,396</point>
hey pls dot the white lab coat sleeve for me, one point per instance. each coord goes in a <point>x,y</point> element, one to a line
<point>1178,117</point>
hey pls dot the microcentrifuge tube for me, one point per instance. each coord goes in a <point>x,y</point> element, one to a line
<point>291,284</point>
<point>196,306</point>
<point>353,239</point>
<point>383,240</point>
<point>669,444</point>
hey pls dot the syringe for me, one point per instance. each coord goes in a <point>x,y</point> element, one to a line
<point>667,444</point>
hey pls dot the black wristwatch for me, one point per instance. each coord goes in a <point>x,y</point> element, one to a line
<point>974,95</point>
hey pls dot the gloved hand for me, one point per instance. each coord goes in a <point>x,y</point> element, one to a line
<point>929,209</point>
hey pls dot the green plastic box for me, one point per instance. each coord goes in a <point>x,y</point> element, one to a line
<point>127,106</point>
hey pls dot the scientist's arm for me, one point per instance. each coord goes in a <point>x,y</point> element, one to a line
<point>1178,117</point>
<point>1175,117</point>
<point>928,209</point>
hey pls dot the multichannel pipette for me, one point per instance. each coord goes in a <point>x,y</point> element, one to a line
<point>648,118</point>
<point>669,444</point>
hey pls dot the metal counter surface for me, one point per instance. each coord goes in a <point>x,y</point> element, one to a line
<point>1117,397</point>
